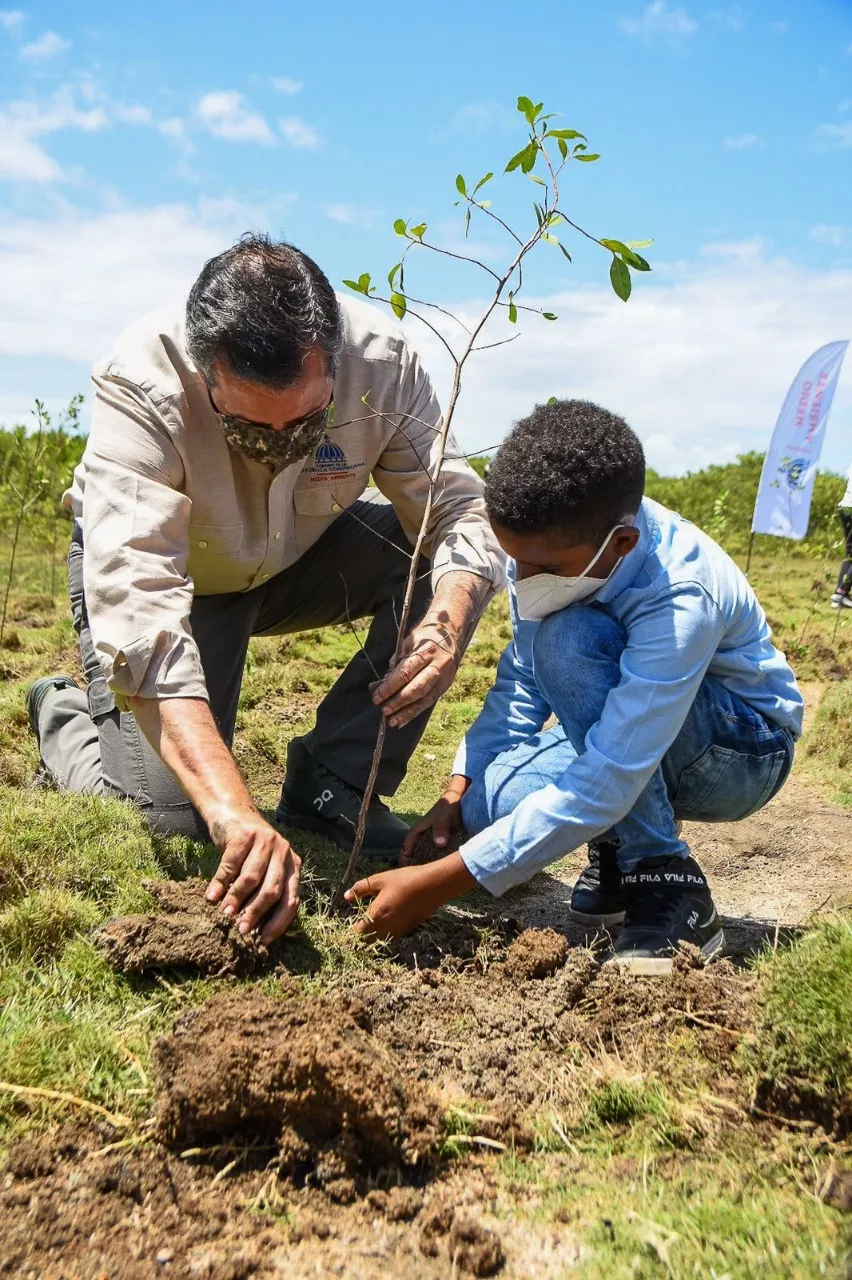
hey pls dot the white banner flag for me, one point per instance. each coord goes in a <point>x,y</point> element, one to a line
<point>789,469</point>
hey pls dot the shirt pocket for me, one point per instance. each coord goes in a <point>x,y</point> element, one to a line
<point>327,500</point>
<point>209,540</point>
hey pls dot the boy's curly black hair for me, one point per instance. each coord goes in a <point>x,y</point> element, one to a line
<point>570,469</point>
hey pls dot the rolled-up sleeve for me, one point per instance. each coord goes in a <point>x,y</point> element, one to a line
<point>459,536</point>
<point>135,549</point>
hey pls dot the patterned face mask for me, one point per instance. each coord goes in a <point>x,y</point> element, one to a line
<point>276,448</point>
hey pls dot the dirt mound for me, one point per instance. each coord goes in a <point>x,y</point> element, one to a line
<point>469,1246</point>
<point>300,1074</point>
<point>536,953</point>
<point>188,933</point>
<point>72,1206</point>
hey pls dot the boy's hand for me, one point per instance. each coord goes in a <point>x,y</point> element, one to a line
<point>403,899</point>
<point>442,820</point>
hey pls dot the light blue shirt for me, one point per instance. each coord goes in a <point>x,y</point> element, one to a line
<point>688,612</point>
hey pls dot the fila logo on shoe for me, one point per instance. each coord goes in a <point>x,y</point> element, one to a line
<point>692,920</point>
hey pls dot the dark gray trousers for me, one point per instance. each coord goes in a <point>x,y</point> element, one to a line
<point>356,569</point>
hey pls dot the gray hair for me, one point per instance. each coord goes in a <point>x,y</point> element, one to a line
<point>258,308</point>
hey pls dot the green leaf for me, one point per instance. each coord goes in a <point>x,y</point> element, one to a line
<point>482,182</point>
<point>639,244</point>
<point>419,231</point>
<point>361,285</point>
<point>595,156</point>
<point>552,400</point>
<point>564,250</point>
<point>548,315</point>
<point>564,133</point>
<point>530,157</point>
<point>392,275</point>
<point>467,222</point>
<point>537,108</point>
<point>399,305</point>
<point>534,178</point>
<point>563,148</point>
<point>513,313</point>
<point>539,212</point>
<point>632,259</point>
<point>550,239</point>
<point>400,226</point>
<point>516,160</point>
<point>461,185</point>
<point>619,276</point>
<point>526,108</point>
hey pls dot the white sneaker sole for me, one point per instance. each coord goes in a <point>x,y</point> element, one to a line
<point>659,966</point>
<point>600,922</point>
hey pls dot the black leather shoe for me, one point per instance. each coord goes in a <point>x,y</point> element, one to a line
<point>668,902</point>
<point>597,898</point>
<point>315,799</point>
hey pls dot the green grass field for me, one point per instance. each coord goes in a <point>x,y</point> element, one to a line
<point>700,1200</point>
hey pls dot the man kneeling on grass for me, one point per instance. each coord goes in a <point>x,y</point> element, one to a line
<point>647,644</point>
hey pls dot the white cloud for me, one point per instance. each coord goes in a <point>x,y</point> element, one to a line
<point>699,365</point>
<point>71,282</point>
<point>133,113</point>
<point>12,20</point>
<point>824,233</point>
<point>22,157</point>
<point>730,19</point>
<point>297,133</point>
<point>48,45</point>
<point>286,84</point>
<point>352,216</point>
<point>228,115</point>
<point>659,22</point>
<point>834,137</point>
<point>476,117</point>
<point>744,140</point>
<point>779,28</point>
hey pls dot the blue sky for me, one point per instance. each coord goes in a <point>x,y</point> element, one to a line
<point>135,141</point>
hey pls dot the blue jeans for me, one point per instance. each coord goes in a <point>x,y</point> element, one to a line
<point>726,762</point>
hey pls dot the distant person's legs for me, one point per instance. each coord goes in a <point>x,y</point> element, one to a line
<point>842,598</point>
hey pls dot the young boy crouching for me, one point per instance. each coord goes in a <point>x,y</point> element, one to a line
<point>645,641</point>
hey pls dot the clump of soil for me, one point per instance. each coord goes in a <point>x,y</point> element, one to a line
<point>302,1075</point>
<point>471,1247</point>
<point>187,933</point>
<point>536,953</point>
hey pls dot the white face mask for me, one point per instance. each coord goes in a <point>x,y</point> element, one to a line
<point>546,593</point>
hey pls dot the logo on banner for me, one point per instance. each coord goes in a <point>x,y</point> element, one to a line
<point>794,471</point>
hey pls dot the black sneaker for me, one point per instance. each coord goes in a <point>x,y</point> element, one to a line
<point>315,799</point>
<point>668,902</point>
<point>597,897</point>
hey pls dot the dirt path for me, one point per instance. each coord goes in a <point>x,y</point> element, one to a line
<point>776,868</point>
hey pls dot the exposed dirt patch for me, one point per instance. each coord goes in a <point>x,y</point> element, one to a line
<point>302,1075</point>
<point>187,933</point>
<point>536,953</point>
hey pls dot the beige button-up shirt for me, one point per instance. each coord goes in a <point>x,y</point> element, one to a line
<point>169,510</point>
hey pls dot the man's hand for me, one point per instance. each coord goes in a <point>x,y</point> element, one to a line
<point>426,669</point>
<point>403,899</point>
<point>434,648</point>
<point>258,870</point>
<point>442,820</point>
